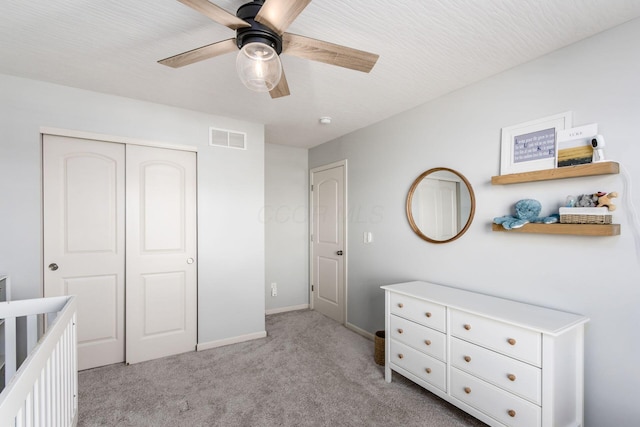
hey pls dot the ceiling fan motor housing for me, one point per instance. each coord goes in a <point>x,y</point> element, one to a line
<point>257,32</point>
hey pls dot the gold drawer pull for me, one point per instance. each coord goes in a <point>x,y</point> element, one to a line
<point>427,342</point>
<point>511,413</point>
<point>467,326</point>
<point>467,359</point>
<point>511,341</point>
<point>400,305</point>
<point>427,314</point>
<point>400,330</point>
<point>511,377</point>
<point>467,390</point>
<point>400,356</point>
<point>428,370</point>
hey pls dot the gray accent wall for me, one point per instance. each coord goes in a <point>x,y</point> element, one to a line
<point>231,258</point>
<point>597,79</point>
<point>286,219</point>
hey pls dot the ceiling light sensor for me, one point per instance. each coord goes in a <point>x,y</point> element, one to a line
<point>325,120</point>
<point>258,62</point>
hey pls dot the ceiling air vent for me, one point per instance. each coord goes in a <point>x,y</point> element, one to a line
<point>227,138</point>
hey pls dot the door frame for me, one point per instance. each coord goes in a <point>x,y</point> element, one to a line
<point>345,233</point>
<point>112,138</point>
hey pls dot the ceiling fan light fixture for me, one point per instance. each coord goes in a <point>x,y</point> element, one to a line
<point>259,67</point>
<point>261,35</point>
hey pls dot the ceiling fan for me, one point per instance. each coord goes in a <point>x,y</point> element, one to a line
<point>260,35</point>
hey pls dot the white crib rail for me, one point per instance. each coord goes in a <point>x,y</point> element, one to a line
<point>44,390</point>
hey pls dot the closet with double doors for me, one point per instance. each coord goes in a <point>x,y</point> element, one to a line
<point>119,232</point>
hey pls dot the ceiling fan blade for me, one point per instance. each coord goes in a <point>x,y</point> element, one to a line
<point>329,53</point>
<point>281,89</point>
<point>216,13</point>
<point>200,54</point>
<point>279,14</point>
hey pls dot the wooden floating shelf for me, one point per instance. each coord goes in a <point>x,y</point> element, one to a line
<point>575,229</point>
<point>602,168</point>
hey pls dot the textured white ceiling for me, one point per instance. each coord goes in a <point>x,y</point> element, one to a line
<point>427,48</point>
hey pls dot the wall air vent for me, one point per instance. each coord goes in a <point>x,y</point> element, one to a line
<point>227,138</point>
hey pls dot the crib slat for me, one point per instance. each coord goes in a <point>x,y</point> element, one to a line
<point>28,410</point>
<point>73,373</point>
<point>37,393</point>
<point>68,393</point>
<point>55,372</point>
<point>9,348</point>
<point>63,379</point>
<point>19,418</point>
<point>48,391</point>
<point>32,332</point>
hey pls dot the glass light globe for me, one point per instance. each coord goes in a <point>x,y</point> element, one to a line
<point>259,66</point>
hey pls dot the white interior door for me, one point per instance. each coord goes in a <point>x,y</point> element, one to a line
<point>161,253</point>
<point>83,190</point>
<point>438,213</point>
<point>327,247</point>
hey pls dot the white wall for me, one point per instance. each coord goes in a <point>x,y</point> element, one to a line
<point>230,193</point>
<point>599,277</point>
<point>286,218</point>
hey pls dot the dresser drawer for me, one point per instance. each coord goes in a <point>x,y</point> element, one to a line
<point>423,312</point>
<point>422,338</point>
<point>493,401</point>
<point>520,343</point>
<point>424,367</point>
<point>510,374</point>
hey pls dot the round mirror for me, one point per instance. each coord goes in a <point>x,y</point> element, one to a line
<point>440,205</point>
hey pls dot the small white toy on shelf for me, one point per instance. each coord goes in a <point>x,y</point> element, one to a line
<point>597,142</point>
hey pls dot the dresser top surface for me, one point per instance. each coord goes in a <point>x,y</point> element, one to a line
<point>540,319</point>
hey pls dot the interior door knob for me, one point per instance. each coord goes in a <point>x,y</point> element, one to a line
<point>189,260</point>
<point>339,253</point>
<point>53,266</point>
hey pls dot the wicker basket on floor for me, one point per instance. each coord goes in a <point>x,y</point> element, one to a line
<point>378,353</point>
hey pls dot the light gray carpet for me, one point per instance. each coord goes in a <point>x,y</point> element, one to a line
<point>309,371</point>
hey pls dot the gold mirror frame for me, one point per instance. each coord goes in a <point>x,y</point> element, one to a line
<point>412,222</point>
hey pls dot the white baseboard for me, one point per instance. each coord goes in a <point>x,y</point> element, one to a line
<point>233,340</point>
<point>359,331</point>
<point>285,309</point>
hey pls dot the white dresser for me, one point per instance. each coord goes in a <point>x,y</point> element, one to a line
<point>506,363</point>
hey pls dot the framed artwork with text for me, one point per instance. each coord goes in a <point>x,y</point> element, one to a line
<point>532,145</point>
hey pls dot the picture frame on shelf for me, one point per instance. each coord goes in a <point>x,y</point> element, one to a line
<point>532,145</point>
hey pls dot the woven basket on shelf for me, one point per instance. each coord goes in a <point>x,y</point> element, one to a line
<point>378,353</point>
<point>585,216</point>
<point>585,219</point>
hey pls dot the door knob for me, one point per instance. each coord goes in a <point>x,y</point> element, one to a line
<point>339,253</point>
<point>53,266</point>
<point>189,260</point>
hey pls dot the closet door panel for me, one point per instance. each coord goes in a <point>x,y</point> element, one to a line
<point>83,226</point>
<point>161,253</point>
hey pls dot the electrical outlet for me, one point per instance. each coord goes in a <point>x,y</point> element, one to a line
<point>274,289</point>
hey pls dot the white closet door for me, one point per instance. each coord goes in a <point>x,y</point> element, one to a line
<point>83,190</point>
<point>161,253</point>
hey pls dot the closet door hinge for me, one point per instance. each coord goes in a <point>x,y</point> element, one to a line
<point>311,288</point>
